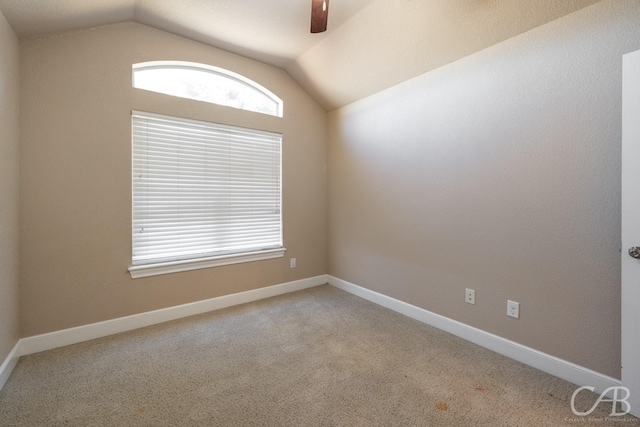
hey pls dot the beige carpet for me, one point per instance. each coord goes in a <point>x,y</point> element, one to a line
<point>319,357</point>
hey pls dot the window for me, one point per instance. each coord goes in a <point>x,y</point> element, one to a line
<point>206,83</point>
<point>204,194</point>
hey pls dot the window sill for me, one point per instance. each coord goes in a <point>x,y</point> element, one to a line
<point>138,271</point>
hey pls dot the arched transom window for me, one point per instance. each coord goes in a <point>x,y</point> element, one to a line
<point>206,83</point>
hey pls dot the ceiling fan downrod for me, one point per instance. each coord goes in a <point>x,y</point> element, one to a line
<point>319,15</point>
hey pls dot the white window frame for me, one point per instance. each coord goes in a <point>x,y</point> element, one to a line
<point>177,265</point>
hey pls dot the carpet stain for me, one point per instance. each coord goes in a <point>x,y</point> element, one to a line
<point>141,410</point>
<point>481,388</point>
<point>442,406</point>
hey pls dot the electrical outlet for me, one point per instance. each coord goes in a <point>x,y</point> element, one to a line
<point>513,309</point>
<point>292,263</point>
<point>470,296</point>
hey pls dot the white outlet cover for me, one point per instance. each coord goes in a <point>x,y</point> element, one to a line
<point>292,263</point>
<point>513,309</point>
<point>470,296</point>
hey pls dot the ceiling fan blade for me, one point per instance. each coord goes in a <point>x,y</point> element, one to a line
<point>319,14</point>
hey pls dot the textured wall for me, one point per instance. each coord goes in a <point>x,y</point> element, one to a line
<point>76,104</point>
<point>501,173</point>
<point>9,183</point>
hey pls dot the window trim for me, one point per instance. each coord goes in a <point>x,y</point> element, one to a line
<point>149,65</point>
<point>147,270</point>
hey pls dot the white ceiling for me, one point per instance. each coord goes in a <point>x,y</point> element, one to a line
<point>370,45</point>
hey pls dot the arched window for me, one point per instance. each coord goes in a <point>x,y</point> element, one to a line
<point>206,83</point>
<point>204,194</point>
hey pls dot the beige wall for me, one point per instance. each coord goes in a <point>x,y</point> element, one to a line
<point>9,179</point>
<point>76,103</point>
<point>501,173</point>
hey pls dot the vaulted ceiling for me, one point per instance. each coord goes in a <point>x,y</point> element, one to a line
<point>370,45</point>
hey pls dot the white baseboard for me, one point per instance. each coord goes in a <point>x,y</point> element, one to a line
<point>9,363</point>
<point>49,341</point>
<point>550,364</point>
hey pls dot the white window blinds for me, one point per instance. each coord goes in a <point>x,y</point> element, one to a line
<point>203,189</point>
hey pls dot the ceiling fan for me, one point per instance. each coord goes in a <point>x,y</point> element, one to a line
<point>319,14</point>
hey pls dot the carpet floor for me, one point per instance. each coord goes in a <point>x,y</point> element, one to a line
<point>318,357</point>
